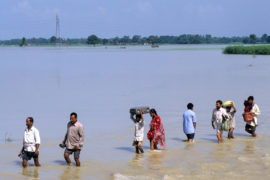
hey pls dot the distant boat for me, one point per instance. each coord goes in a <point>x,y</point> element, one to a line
<point>123,47</point>
<point>155,46</point>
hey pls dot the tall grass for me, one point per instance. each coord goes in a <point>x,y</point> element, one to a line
<point>257,50</point>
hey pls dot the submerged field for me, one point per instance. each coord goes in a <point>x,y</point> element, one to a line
<point>101,84</point>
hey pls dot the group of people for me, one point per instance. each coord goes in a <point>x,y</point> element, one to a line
<point>223,119</point>
<point>73,141</point>
<point>156,133</point>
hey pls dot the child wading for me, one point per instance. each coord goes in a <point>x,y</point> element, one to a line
<point>139,132</point>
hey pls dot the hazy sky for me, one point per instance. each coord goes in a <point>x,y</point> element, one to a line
<point>109,18</point>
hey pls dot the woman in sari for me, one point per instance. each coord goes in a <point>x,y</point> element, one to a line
<point>156,134</point>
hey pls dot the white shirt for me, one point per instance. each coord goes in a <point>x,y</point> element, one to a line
<point>31,138</point>
<point>217,115</point>
<point>255,109</point>
<point>139,130</point>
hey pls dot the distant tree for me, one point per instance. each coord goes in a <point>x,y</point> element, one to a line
<point>208,38</point>
<point>183,39</point>
<point>105,41</point>
<point>268,39</point>
<point>143,40</point>
<point>153,39</point>
<point>167,39</point>
<point>115,40</point>
<point>93,40</point>
<point>53,40</point>
<point>195,39</point>
<point>253,38</point>
<point>23,42</point>
<point>136,39</point>
<point>246,40</point>
<point>125,40</point>
<point>264,38</point>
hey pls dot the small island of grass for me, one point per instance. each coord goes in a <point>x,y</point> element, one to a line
<point>253,50</point>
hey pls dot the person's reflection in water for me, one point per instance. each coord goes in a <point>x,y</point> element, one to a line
<point>189,146</point>
<point>71,173</point>
<point>220,148</point>
<point>136,161</point>
<point>30,172</point>
<point>250,146</point>
<point>155,159</point>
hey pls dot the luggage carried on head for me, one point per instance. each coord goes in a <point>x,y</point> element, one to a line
<point>227,104</point>
<point>138,110</point>
<point>248,117</point>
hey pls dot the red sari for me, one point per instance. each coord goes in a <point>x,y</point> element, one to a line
<point>156,132</point>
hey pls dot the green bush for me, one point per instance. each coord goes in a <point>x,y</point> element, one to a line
<point>258,50</point>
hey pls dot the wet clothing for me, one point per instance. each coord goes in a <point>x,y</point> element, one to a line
<point>76,153</point>
<point>190,136</point>
<point>156,132</point>
<point>139,129</point>
<point>218,116</point>
<point>189,118</point>
<point>29,155</point>
<point>231,119</point>
<point>30,139</point>
<point>137,143</point>
<point>74,136</point>
<point>250,129</point>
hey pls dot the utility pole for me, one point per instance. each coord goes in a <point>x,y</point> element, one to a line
<point>57,31</point>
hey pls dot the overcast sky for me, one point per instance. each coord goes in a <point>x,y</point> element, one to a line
<point>110,18</point>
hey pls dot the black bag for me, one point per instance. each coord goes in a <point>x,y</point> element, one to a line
<point>138,110</point>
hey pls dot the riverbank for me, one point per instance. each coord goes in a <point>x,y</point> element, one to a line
<point>253,50</point>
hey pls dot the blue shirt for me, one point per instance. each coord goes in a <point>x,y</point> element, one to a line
<point>189,118</point>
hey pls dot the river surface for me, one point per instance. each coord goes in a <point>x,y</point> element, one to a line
<point>102,83</point>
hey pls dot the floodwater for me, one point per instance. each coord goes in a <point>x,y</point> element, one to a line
<point>101,84</point>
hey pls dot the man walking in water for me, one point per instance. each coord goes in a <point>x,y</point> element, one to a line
<point>74,139</point>
<point>255,111</point>
<point>218,115</point>
<point>189,122</point>
<point>31,143</point>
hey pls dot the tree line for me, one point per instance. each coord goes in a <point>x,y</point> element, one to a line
<point>140,40</point>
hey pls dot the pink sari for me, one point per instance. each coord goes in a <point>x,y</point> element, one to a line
<point>156,132</point>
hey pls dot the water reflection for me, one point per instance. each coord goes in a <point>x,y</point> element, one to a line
<point>249,148</point>
<point>71,173</point>
<point>30,172</point>
<point>189,146</point>
<point>155,159</point>
<point>137,160</point>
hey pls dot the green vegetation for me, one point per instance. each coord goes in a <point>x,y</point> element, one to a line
<point>139,40</point>
<point>93,40</point>
<point>23,42</point>
<point>153,40</point>
<point>53,40</point>
<point>254,50</point>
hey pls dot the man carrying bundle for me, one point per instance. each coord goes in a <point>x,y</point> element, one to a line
<point>218,115</point>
